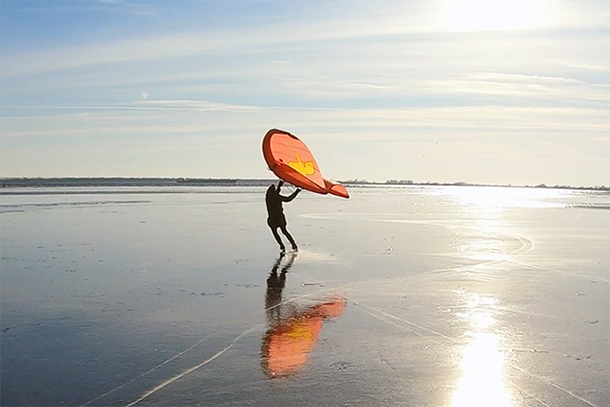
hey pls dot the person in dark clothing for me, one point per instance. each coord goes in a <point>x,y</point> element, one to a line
<point>276,218</point>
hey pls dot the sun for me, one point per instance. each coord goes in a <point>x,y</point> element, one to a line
<point>495,15</point>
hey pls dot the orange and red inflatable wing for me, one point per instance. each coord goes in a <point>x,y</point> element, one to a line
<point>336,189</point>
<point>292,161</point>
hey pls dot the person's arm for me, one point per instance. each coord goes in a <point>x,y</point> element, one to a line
<point>291,196</point>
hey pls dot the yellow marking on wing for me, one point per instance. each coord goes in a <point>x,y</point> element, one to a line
<point>304,168</point>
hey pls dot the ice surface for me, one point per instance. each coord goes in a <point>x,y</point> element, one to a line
<point>410,296</point>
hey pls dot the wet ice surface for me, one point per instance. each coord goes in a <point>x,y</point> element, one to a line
<point>398,296</point>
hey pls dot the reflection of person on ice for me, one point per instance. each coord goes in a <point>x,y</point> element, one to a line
<point>276,218</point>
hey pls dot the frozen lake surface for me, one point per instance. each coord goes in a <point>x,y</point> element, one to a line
<point>400,296</point>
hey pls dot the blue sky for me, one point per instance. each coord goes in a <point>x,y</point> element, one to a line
<point>487,91</point>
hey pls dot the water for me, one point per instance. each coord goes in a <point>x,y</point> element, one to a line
<point>444,296</point>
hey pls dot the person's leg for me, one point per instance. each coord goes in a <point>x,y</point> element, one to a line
<point>277,238</point>
<point>289,236</point>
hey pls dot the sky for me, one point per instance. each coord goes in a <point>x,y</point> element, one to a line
<point>481,91</point>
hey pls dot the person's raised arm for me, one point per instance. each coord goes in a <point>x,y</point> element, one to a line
<point>291,196</point>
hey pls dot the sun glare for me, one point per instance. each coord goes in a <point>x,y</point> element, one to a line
<point>494,15</point>
<point>483,383</point>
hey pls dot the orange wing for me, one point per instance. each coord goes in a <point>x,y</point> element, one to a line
<point>336,189</point>
<point>291,160</point>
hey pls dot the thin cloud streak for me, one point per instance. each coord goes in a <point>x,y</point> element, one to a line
<point>428,120</point>
<point>528,86</point>
<point>167,105</point>
<point>146,9</point>
<point>198,105</point>
<point>67,58</point>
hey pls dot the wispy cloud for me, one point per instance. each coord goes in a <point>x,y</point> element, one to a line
<point>92,54</point>
<point>531,86</point>
<point>140,8</point>
<point>168,117</point>
<point>133,8</point>
<point>583,66</point>
<point>197,105</point>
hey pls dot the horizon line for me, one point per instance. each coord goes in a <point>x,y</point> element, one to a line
<point>227,180</point>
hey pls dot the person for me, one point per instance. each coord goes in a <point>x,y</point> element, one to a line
<point>276,218</point>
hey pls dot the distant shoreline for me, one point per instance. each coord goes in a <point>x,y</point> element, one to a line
<point>26,182</point>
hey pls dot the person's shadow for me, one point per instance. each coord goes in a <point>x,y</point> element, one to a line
<point>292,331</point>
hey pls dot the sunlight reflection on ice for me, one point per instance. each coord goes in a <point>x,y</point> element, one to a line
<point>490,257</point>
<point>482,365</point>
<point>482,383</point>
<point>497,198</point>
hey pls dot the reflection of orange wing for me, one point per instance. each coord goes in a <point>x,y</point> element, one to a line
<point>287,345</point>
<point>290,344</point>
<point>291,160</point>
<point>331,309</point>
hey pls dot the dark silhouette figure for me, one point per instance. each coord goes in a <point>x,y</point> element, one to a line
<point>276,218</point>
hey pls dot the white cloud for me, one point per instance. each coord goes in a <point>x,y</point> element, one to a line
<point>132,8</point>
<point>332,125</point>
<point>198,105</point>
<point>582,66</point>
<point>92,54</point>
<point>123,6</point>
<point>552,88</point>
